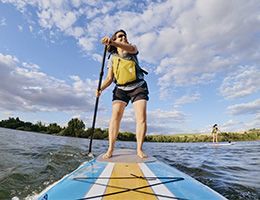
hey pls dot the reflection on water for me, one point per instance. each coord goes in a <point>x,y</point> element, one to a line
<point>31,161</point>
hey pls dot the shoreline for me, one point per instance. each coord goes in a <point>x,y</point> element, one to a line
<point>246,136</point>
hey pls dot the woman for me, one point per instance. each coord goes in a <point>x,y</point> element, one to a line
<point>215,133</point>
<point>136,90</point>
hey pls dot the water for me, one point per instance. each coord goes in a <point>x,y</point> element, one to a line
<point>29,162</point>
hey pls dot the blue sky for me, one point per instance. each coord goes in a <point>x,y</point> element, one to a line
<point>203,60</point>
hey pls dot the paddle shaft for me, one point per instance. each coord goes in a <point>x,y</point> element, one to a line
<point>97,100</point>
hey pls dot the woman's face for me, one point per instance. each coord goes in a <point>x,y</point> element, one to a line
<point>121,37</point>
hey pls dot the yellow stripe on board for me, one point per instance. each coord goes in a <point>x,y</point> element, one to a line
<point>125,170</point>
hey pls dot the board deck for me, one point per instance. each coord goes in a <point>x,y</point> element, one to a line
<point>126,176</point>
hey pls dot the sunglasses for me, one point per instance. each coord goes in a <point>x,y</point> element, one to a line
<point>121,35</point>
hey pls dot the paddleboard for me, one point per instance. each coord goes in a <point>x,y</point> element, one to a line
<point>126,176</point>
<point>222,144</point>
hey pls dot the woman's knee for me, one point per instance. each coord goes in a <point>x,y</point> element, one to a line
<point>141,121</point>
<point>117,115</point>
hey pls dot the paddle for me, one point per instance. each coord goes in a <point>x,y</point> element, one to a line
<point>96,104</point>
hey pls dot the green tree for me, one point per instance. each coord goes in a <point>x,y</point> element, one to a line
<point>75,128</point>
<point>126,136</point>
<point>42,127</point>
<point>99,134</point>
<point>53,128</point>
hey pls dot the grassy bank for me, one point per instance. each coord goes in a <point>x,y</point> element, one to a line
<point>250,135</point>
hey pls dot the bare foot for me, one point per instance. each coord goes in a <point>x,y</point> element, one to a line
<point>141,154</point>
<point>107,155</point>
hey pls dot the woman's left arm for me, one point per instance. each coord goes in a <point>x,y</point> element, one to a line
<point>125,46</point>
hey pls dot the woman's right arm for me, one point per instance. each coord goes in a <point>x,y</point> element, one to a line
<point>132,49</point>
<point>107,82</point>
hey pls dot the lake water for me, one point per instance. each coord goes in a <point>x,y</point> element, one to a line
<point>29,162</point>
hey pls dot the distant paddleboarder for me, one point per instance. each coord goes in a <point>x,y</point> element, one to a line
<point>215,132</point>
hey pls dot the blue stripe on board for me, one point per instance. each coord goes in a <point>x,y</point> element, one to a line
<point>75,189</point>
<point>189,188</point>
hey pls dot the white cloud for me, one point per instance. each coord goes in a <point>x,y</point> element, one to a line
<point>254,123</point>
<point>198,39</point>
<point>65,20</point>
<point>161,115</point>
<point>76,3</point>
<point>158,121</point>
<point>31,29</point>
<point>234,125</point>
<point>86,43</point>
<point>20,4</point>
<point>3,22</point>
<point>76,32</point>
<point>244,81</point>
<point>207,39</point>
<point>165,122</point>
<point>187,99</point>
<point>30,65</point>
<point>29,89</point>
<point>245,108</point>
<point>97,57</point>
<point>44,21</point>
<point>62,19</point>
<point>20,28</point>
<point>231,126</point>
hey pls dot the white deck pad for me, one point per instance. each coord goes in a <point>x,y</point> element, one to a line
<point>158,189</point>
<point>97,189</point>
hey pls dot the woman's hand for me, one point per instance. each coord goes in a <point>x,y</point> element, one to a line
<point>106,40</point>
<point>98,93</point>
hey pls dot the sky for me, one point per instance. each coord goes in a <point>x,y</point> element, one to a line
<point>203,59</point>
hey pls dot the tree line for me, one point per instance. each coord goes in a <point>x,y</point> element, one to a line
<point>74,128</point>
<point>77,128</point>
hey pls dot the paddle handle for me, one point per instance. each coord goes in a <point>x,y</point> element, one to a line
<point>97,100</point>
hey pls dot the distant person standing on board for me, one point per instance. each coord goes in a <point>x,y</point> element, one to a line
<point>215,132</point>
<point>129,86</point>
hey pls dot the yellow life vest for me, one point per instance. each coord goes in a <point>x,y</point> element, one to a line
<point>124,70</point>
<point>215,130</point>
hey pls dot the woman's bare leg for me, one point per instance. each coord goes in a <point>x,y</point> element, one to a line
<point>118,108</point>
<point>141,126</point>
